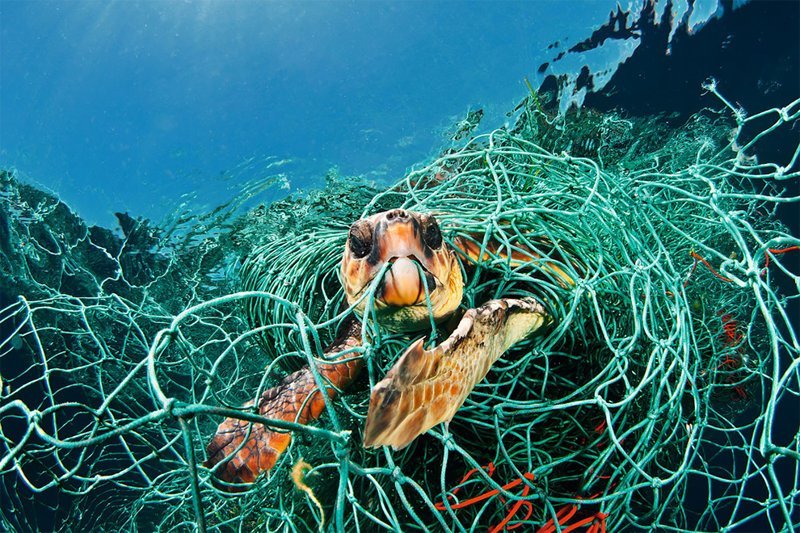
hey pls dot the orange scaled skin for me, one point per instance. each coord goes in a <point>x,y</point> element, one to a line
<point>296,399</point>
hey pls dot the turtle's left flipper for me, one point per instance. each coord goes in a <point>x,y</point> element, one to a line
<point>246,449</point>
<point>426,387</point>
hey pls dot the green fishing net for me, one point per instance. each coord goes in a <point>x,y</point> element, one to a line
<point>659,397</point>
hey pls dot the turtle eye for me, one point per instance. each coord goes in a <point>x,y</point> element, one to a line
<point>360,239</point>
<point>432,234</point>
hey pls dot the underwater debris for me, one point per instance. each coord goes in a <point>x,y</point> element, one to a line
<point>299,471</point>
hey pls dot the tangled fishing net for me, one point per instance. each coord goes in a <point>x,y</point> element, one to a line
<point>658,398</point>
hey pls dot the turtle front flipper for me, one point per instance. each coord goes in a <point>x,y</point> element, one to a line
<point>246,449</point>
<point>426,387</point>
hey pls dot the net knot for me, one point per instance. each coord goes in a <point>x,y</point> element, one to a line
<point>34,417</point>
<point>771,454</point>
<point>656,483</point>
<point>169,405</point>
<point>340,450</point>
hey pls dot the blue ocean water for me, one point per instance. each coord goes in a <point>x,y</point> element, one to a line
<point>126,106</point>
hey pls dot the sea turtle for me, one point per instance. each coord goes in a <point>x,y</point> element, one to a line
<point>422,280</point>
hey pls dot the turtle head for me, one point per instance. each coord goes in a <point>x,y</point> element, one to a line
<point>411,244</point>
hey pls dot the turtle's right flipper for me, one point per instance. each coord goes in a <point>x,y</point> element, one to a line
<point>296,399</point>
<point>550,260</point>
<point>426,387</point>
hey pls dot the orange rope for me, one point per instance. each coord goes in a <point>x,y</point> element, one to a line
<point>730,329</point>
<point>493,492</point>
<point>549,527</point>
<point>441,506</point>
<point>778,251</point>
<point>583,522</point>
<point>697,257</point>
<point>598,521</point>
<point>688,276</point>
<point>499,527</point>
<point>489,470</point>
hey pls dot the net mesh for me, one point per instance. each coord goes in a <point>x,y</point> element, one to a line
<point>658,398</point>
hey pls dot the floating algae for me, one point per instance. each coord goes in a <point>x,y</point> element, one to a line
<point>658,385</point>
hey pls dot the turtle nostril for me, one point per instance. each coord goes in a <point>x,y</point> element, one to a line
<point>430,281</point>
<point>400,214</point>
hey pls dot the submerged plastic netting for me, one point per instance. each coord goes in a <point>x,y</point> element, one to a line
<point>659,397</point>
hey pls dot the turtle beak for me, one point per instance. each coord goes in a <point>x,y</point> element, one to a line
<point>403,285</point>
